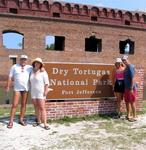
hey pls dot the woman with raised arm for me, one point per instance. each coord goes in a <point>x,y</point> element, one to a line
<point>119,84</point>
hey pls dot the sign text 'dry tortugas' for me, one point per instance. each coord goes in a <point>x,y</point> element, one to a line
<point>79,81</point>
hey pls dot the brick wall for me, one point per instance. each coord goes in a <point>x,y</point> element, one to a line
<point>72,108</point>
<point>35,20</point>
<point>34,38</point>
<point>79,108</point>
<point>72,11</point>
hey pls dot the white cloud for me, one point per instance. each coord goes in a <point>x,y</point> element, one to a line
<point>141,10</point>
<point>99,4</point>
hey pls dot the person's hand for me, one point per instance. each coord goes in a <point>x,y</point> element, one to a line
<point>50,89</point>
<point>46,92</point>
<point>131,91</point>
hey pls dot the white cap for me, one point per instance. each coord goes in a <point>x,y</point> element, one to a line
<point>118,60</point>
<point>125,57</point>
<point>23,57</point>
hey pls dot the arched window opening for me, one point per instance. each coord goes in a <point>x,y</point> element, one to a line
<point>105,13</point>
<point>137,17</point>
<point>13,40</point>
<point>92,44</point>
<point>144,18</point>
<point>25,4</point>
<point>45,6</point>
<point>113,14</point>
<point>55,43</point>
<point>94,11</point>
<point>76,9</point>
<point>126,47</point>
<point>67,8</point>
<point>56,7</point>
<point>2,2</point>
<point>35,5</point>
<point>85,10</point>
<point>120,14</point>
<point>128,16</point>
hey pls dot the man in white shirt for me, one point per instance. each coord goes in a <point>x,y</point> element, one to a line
<point>19,75</point>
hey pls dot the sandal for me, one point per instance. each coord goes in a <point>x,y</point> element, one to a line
<point>128,118</point>
<point>22,123</point>
<point>132,119</point>
<point>46,127</point>
<point>10,125</point>
<point>36,124</point>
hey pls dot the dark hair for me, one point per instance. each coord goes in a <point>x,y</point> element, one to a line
<point>33,64</point>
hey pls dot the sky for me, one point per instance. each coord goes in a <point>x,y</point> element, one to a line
<point>15,42</point>
<point>131,5</point>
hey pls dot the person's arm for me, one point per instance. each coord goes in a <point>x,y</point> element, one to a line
<point>114,78</point>
<point>9,83</point>
<point>132,72</point>
<point>46,82</point>
<point>10,79</point>
<point>46,90</point>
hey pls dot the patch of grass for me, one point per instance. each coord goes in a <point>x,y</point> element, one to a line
<point>144,126</point>
<point>139,136</point>
<point>54,132</point>
<point>77,142</point>
<point>30,109</point>
<point>67,119</point>
<point>119,142</point>
<point>5,98</point>
<point>5,110</point>
<point>108,126</point>
<point>143,111</point>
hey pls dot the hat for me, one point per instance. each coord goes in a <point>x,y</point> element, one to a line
<point>37,60</point>
<point>118,60</point>
<point>125,57</point>
<point>23,57</point>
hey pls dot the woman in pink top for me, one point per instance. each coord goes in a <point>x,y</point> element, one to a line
<point>119,84</point>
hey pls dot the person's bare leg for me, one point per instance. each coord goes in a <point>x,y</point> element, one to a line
<point>118,109</point>
<point>35,108</point>
<point>128,110</point>
<point>116,95</point>
<point>43,113</point>
<point>118,104</point>
<point>16,96</point>
<point>24,96</point>
<point>37,111</point>
<point>133,106</point>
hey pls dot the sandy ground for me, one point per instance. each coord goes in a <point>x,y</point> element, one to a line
<point>103,134</point>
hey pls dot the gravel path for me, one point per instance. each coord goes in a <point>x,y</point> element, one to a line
<point>102,134</point>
